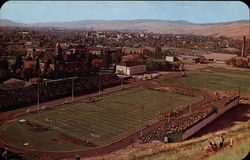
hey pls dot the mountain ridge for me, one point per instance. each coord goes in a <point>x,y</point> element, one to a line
<point>233,29</point>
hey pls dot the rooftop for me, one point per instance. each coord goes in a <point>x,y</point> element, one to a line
<point>14,83</point>
<point>130,63</point>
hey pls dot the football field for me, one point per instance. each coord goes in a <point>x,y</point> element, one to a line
<point>223,80</point>
<point>100,123</point>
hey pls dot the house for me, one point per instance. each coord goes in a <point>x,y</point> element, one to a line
<point>133,50</point>
<point>130,68</point>
<point>131,57</point>
<point>95,50</point>
<point>51,66</point>
<point>13,84</point>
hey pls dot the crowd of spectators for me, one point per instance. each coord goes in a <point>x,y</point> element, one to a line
<point>230,99</point>
<point>179,122</point>
<point>185,118</point>
<point>53,90</point>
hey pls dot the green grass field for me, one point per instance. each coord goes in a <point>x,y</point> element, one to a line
<point>102,122</point>
<point>228,71</point>
<point>214,82</point>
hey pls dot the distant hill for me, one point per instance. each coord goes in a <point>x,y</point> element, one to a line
<point>234,29</point>
<point>6,22</point>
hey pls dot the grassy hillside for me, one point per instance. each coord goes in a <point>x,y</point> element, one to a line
<point>195,148</point>
<point>235,29</point>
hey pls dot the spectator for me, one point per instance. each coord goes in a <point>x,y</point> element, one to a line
<point>231,142</point>
<point>214,146</point>
<point>221,141</point>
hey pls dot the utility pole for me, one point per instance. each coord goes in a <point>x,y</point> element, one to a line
<point>5,153</point>
<point>206,92</point>
<point>169,113</point>
<point>122,84</point>
<point>38,96</point>
<point>99,84</point>
<point>239,88</point>
<point>142,107</point>
<point>190,109</point>
<point>72,92</point>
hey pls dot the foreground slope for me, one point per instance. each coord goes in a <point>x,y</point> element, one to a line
<point>195,148</point>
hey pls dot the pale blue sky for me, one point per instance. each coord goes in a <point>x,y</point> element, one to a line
<point>194,11</point>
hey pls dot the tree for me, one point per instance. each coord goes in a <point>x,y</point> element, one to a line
<point>37,68</point>
<point>237,62</point>
<point>18,63</point>
<point>117,57</point>
<point>97,64</point>
<point>28,70</point>
<point>89,60</point>
<point>153,65</point>
<point>4,69</point>
<point>107,59</point>
<point>46,66</point>
<point>240,62</point>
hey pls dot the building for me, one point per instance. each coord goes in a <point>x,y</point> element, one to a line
<point>130,68</point>
<point>51,66</point>
<point>219,57</point>
<point>192,59</point>
<point>151,75</point>
<point>131,57</point>
<point>13,84</point>
<point>133,50</point>
<point>95,50</point>
<point>171,58</point>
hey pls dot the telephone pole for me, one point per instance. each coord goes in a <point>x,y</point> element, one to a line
<point>142,107</point>
<point>72,92</point>
<point>239,88</point>
<point>38,96</point>
<point>99,85</point>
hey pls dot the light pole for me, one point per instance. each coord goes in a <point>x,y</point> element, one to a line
<point>170,105</point>
<point>142,107</point>
<point>72,92</point>
<point>58,80</point>
<point>239,88</point>
<point>206,92</point>
<point>190,109</point>
<point>99,84</point>
<point>38,96</point>
<point>122,84</point>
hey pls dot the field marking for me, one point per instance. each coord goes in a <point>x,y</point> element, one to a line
<point>108,131</point>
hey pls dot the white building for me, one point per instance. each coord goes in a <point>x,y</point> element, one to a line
<point>130,68</point>
<point>170,58</point>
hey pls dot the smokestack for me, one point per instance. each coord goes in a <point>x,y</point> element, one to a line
<point>243,46</point>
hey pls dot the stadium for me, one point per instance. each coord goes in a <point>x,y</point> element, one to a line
<point>109,121</point>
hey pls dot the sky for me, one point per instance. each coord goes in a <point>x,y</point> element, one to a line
<point>192,11</point>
